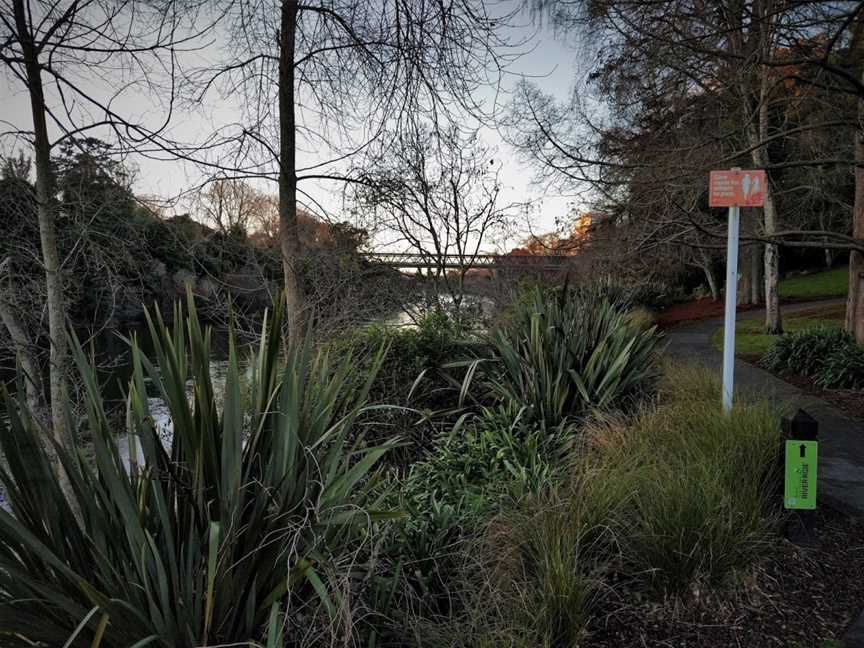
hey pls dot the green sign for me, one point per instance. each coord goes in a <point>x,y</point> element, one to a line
<point>800,491</point>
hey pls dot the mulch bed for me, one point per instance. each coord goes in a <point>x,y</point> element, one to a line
<point>695,311</point>
<point>849,401</point>
<point>703,309</point>
<point>797,596</point>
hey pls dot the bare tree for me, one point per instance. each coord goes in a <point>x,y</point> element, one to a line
<point>758,61</point>
<point>264,223</point>
<point>48,48</point>
<point>437,195</point>
<point>230,205</point>
<point>324,79</point>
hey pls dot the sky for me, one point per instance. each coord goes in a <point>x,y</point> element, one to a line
<point>546,61</point>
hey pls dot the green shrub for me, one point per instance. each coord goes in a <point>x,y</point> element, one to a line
<point>490,455</point>
<point>561,355</point>
<point>829,356</point>
<point>804,352</point>
<point>653,295</point>
<point>410,378</point>
<point>842,369</point>
<point>679,494</point>
<point>422,349</point>
<point>252,513</point>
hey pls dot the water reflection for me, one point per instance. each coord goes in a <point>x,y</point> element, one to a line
<point>162,415</point>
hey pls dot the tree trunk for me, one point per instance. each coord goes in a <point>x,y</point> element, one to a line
<point>773,320</point>
<point>28,365</point>
<point>711,278</point>
<point>756,273</point>
<point>756,128</point>
<point>829,258</point>
<point>46,213</point>
<point>855,297</point>
<point>745,274</point>
<point>288,230</point>
<point>757,134</point>
<point>23,345</point>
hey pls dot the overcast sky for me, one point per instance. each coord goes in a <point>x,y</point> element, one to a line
<point>550,64</point>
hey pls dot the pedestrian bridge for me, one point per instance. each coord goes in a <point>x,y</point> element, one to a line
<point>457,261</point>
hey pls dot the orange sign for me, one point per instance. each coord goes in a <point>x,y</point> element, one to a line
<point>736,187</point>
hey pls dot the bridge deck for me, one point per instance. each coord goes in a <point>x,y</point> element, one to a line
<point>455,261</point>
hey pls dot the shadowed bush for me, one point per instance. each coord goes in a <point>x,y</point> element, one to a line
<point>424,400</point>
<point>830,356</point>
<point>842,370</point>
<point>250,516</point>
<point>804,352</point>
<point>481,467</point>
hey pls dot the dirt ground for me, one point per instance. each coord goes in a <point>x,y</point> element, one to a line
<point>798,596</point>
<point>703,309</point>
<point>695,311</point>
<point>849,401</point>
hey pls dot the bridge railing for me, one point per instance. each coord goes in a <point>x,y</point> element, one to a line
<point>454,261</point>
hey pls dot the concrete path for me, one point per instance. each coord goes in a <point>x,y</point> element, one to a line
<point>841,440</point>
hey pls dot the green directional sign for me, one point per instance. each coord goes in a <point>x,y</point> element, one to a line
<point>800,491</point>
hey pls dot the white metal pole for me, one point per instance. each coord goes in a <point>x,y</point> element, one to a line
<point>731,299</point>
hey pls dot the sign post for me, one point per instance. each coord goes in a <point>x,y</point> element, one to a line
<point>733,189</point>
<point>731,303</point>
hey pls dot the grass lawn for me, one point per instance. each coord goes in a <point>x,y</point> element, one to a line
<point>831,283</point>
<point>751,341</point>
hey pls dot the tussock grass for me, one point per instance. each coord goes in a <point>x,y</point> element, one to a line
<point>702,481</point>
<point>641,318</point>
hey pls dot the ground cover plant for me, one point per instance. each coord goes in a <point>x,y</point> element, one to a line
<point>528,519</point>
<point>266,523</point>
<point>250,519</point>
<point>483,465</point>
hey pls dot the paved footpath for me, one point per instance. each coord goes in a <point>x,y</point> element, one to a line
<point>841,439</point>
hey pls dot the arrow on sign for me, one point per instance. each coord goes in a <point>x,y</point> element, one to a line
<point>803,449</point>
